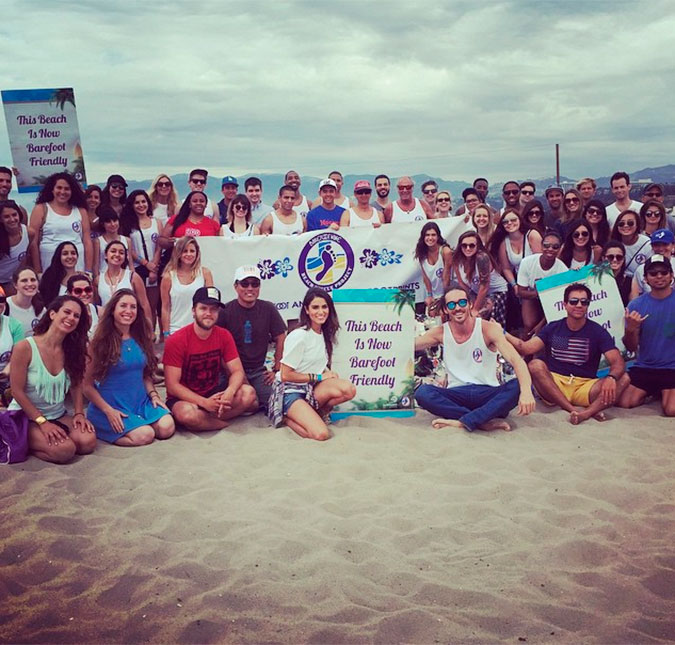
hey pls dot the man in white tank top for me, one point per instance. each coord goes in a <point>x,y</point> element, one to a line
<point>197,181</point>
<point>476,397</point>
<point>407,208</point>
<point>285,220</point>
<point>363,214</point>
<point>301,204</point>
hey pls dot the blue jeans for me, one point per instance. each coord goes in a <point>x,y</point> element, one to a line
<point>473,405</point>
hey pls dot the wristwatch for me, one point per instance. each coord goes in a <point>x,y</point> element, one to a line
<point>40,420</point>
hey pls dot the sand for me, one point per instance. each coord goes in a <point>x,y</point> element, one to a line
<point>390,532</point>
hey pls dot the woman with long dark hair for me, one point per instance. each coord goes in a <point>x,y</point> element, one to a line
<point>62,266</point>
<point>14,241</point>
<point>60,215</point>
<point>595,215</point>
<point>435,258</point>
<point>511,242</point>
<point>476,271</point>
<point>239,219</point>
<point>115,193</point>
<point>108,228</point>
<point>577,249</point>
<point>306,389</point>
<point>190,220</point>
<point>81,286</point>
<point>533,216</point>
<point>614,253</point>
<point>92,196</point>
<point>43,368</point>
<point>124,406</point>
<point>26,304</point>
<point>628,230</point>
<point>653,216</point>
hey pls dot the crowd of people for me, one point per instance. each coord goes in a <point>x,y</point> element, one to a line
<point>90,279</point>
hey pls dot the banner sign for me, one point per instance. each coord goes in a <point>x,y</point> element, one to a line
<point>374,351</point>
<point>43,135</point>
<point>606,306</point>
<point>363,257</point>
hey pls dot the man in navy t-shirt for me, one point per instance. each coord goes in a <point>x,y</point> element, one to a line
<point>573,346</point>
<point>327,214</point>
<point>650,331</point>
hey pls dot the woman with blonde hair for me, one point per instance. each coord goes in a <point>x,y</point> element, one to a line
<point>184,274</point>
<point>483,223</point>
<point>163,197</point>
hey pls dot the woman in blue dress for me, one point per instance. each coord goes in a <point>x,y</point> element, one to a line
<point>125,408</point>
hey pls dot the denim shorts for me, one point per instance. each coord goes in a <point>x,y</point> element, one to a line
<point>290,398</point>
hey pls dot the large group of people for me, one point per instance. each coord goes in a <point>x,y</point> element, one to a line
<point>90,280</point>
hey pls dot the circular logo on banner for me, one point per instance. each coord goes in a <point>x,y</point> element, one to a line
<point>326,261</point>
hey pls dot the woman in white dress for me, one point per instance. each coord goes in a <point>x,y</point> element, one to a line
<point>184,274</point>
<point>14,242</point>
<point>60,215</point>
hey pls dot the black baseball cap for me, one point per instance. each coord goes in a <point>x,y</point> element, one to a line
<point>207,296</point>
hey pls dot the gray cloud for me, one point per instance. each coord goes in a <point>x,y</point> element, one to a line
<point>452,89</point>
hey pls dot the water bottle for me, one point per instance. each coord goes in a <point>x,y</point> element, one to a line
<point>248,332</point>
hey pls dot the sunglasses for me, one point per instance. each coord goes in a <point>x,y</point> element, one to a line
<point>442,200</point>
<point>653,195</point>
<point>199,182</point>
<point>451,304</point>
<point>78,291</point>
<point>116,187</point>
<point>405,187</point>
<point>239,207</point>
<point>654,274</point>
<point>511,220</point>
<point>614,257</point>
<point>625,224</point>
<point>579,234</point>
<point>363,191</point>
<point>571,200</point>
<point>511,192</point>
<point>548,245</point>
<point>535,211</point>
<point>527,192</point>
<point>164,184</point>
<point>579,301</point>
<point>430,191</point>
<point>653,214</point>
<point>593,211</point>
<point>468,245</point>
<point>247,284</point>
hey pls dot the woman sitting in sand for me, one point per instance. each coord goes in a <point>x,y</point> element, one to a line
<point>305,390</point>
<point>124,406</point>
<point>43,368</point>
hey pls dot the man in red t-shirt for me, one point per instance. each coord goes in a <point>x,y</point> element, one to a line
<point>194,358</point>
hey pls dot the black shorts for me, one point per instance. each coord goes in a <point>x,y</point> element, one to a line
<point>172,400</point>
<point>652,381</point>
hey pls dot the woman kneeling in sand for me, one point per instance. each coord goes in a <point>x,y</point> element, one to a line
<point>305,389</point>
<point>125,408</point>
<point>42,370</point>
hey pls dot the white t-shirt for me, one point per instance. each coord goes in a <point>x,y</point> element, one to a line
<point>637,253</point>
<point>530,270</point>
<point>305,352</point>
<point>613,211</point>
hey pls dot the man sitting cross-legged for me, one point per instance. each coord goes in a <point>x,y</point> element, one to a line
<point>566,376</point>
<point>474,398</point>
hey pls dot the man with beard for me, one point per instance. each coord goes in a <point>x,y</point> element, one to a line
<point>554,197</point>
<point>382,187</point>
<point>195,358</point>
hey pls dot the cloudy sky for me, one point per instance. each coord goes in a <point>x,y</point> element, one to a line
<point>453,89</point>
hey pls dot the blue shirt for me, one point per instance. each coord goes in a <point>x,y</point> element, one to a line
<point>656,345</point>
<point>320,217</point>
<point>577,352</point>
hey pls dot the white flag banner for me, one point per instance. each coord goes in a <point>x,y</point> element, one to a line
<point>355,258</point>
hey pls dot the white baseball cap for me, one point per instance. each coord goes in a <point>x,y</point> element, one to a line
<point>246,271</point>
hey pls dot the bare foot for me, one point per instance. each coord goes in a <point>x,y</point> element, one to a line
<point>495,424</point>
<point>447,423</point>
<point>600,416</point>
<point>578,416</point>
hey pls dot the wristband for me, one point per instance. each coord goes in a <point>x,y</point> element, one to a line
<point>319,377</point>
<point>612,376</point>
<point>151,392</point>
<point>165,334</point>
<point>78,413</point>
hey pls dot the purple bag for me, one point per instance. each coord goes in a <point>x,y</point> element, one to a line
<point>13,436</point>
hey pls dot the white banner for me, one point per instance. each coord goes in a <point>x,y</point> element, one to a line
<point>355,258</point>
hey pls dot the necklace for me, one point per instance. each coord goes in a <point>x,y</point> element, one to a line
<point>113,283</point>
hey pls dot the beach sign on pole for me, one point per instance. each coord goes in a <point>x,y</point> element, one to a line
<point>43,134</point>
<point>375,351</point>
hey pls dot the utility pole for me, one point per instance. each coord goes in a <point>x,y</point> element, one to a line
<point>557,164</point>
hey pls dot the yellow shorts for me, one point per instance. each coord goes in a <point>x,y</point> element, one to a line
<point>575,389</point>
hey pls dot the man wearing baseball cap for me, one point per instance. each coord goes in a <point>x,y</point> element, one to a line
<point>663,242</point>
<point>195,358</point>
<point>229,187</point>
<point>650,331</point>
<point>363,214</point>
<point>326,214</point>
<point>254,324</point>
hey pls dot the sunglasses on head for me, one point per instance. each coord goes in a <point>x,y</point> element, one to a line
<point>578,301</point>
<point>200,182</point>
<point>614,257</point>
<point>78,291</point>
<point>250,282</point>
<point>451,304</point>
<point>164,184</point>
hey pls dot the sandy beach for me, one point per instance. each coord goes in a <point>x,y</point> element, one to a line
<point>391,532</point>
